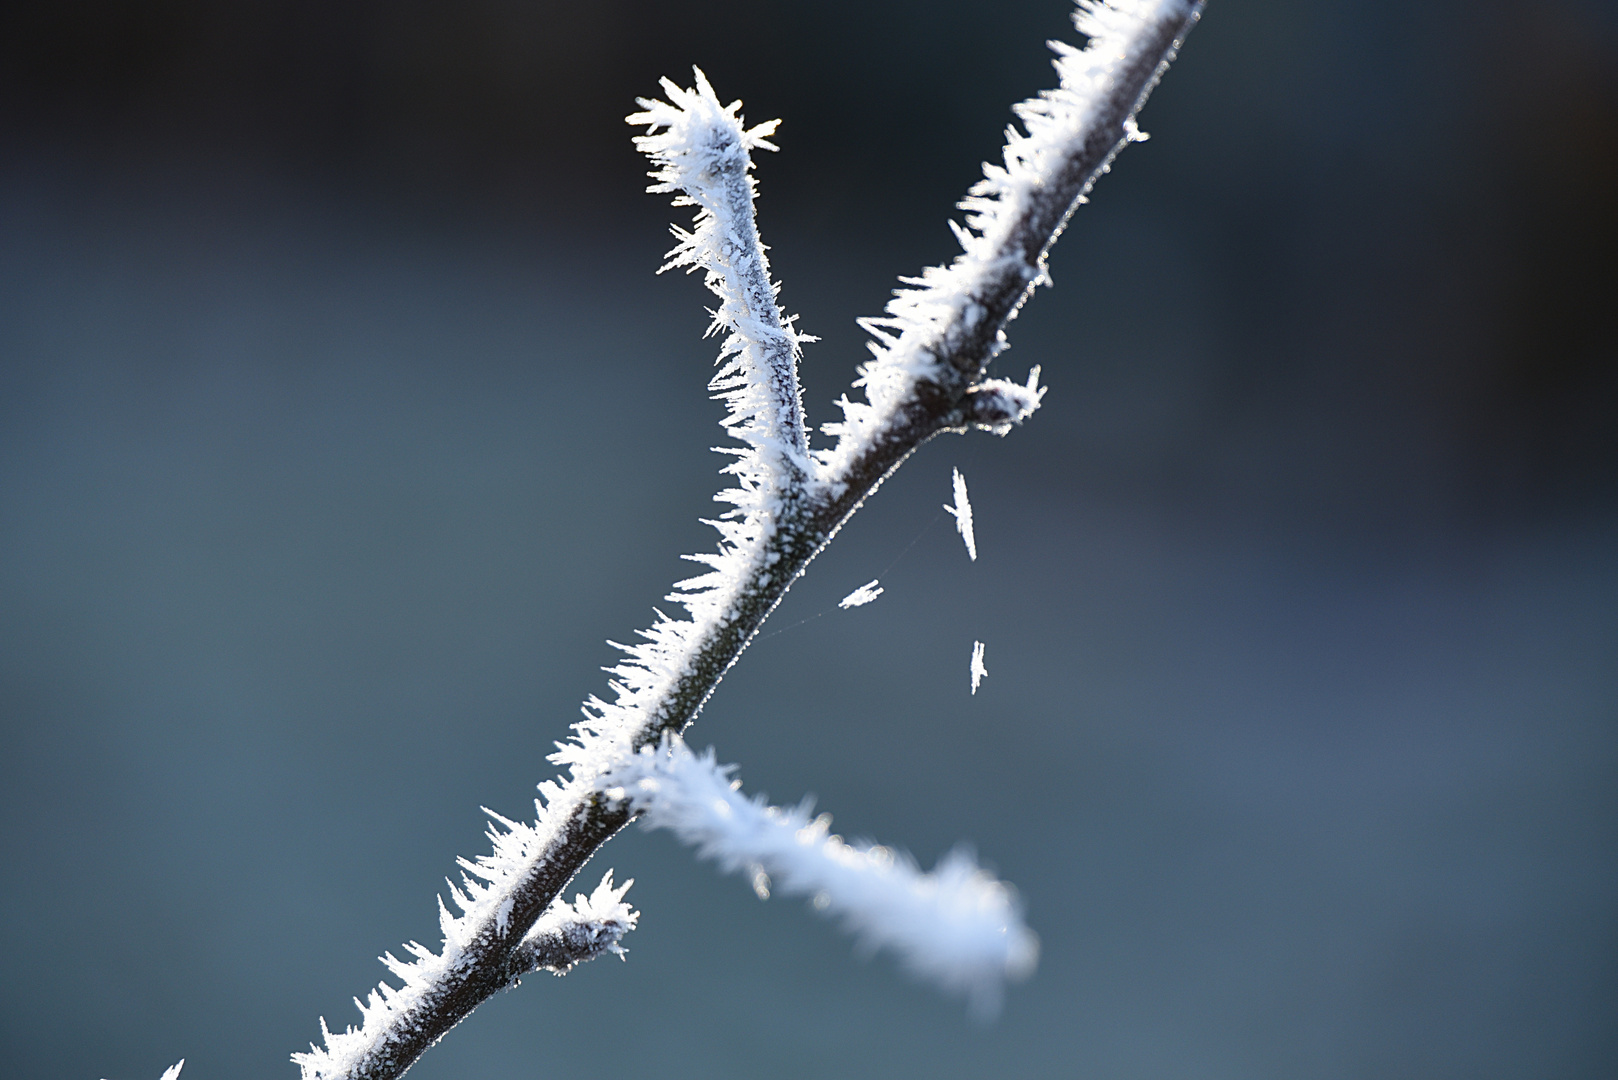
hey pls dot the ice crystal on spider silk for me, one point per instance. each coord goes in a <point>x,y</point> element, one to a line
<point>956,926</point>
<point>173,1071</point>
<point>979,672</point>
<point>862,595</point>
<point>962,513</point>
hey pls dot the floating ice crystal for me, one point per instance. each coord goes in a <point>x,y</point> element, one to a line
<point>962,513</point>
<point>861,596</point>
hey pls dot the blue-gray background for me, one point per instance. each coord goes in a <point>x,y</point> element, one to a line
<point>342,419</point>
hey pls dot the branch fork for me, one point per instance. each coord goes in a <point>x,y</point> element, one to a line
<point>927,374</point>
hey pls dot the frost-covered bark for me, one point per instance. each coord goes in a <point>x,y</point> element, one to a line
<point>928,375</point>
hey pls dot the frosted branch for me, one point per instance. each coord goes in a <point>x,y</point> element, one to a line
<point>956,926</point>
<point>927,375</point>
<point>703,152</point>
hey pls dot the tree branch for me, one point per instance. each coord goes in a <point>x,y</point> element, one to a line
<point>956,926</point>
<point>931,352</point>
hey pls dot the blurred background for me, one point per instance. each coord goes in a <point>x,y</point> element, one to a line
<point>342,418</point>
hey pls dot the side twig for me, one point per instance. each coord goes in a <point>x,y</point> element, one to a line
<point>931,352</point>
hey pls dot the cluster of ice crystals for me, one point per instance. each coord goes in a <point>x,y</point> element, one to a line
<point>978,671</point>
<point>703,154</point>
<point>999,404</point>
<point>957,926</point>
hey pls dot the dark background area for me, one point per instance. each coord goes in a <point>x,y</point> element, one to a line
<point>342,418</point>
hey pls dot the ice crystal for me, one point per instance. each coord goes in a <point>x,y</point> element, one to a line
<point>861,596</point>
<point>961,511</point>
<point>956,926</point>
<point>979,672</point>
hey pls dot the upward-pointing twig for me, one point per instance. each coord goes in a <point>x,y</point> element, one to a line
<point>931,353</point>
<point>702,152</point>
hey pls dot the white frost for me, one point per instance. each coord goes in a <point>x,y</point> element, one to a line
<point>956,926</point>
<point>962,513</point>
<point>861,596</point>
<point>979,672</point>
